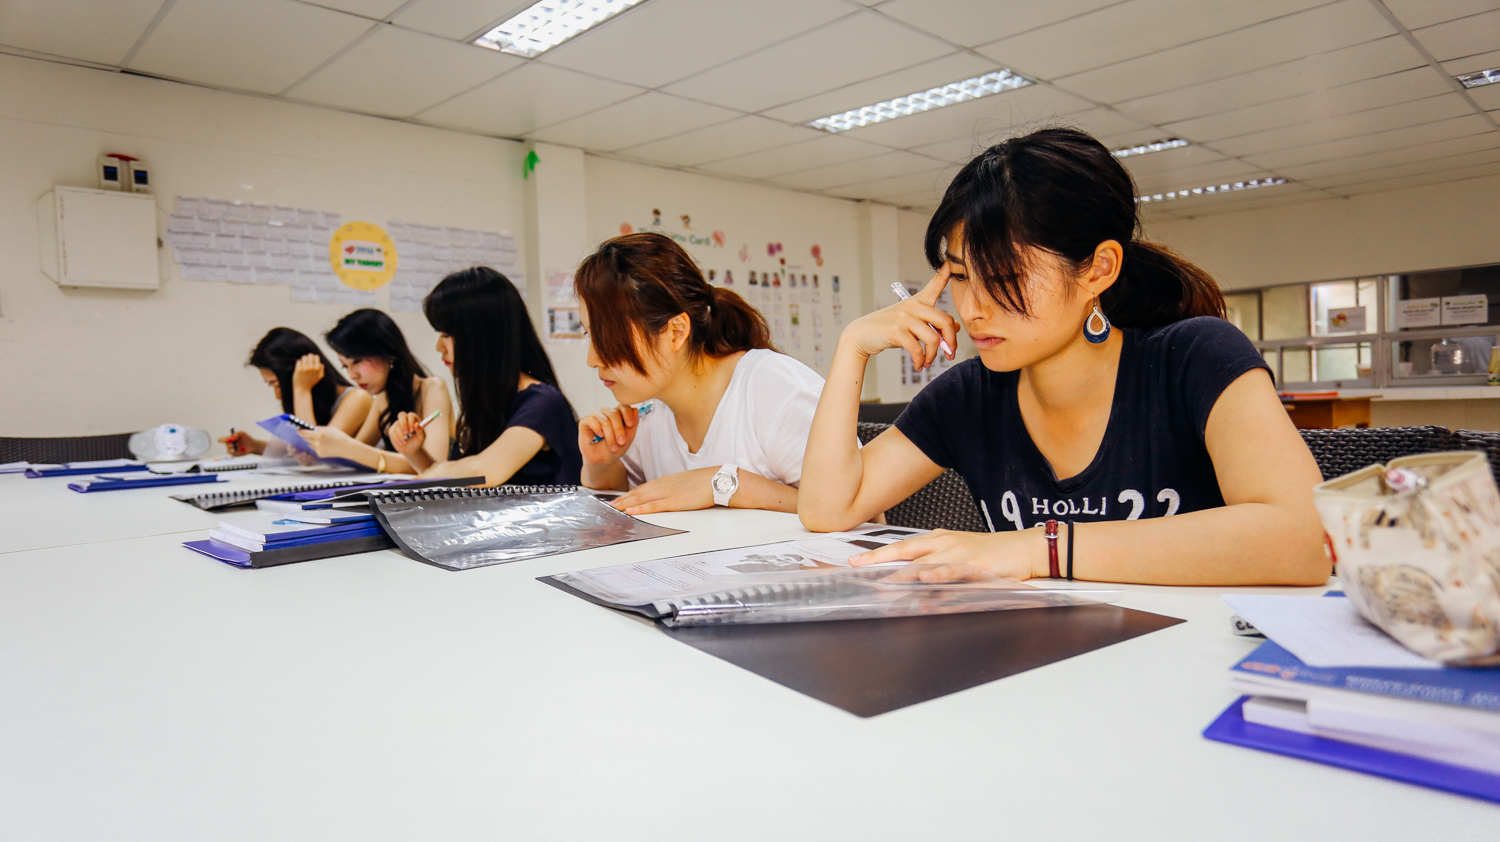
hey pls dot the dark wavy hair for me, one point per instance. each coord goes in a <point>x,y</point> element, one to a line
<point>634,284</point>
<point>1061,191</point>
<point>372,335</point>
<point>494,343</point>
<point>278,353</point>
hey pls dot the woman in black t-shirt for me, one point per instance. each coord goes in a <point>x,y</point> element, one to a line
<point>1108,389</point>
<point>514,425</point>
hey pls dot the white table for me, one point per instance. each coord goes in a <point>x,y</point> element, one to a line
<point>151,694</point>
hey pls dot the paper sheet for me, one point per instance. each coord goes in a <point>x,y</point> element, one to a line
<point>1325,632</point>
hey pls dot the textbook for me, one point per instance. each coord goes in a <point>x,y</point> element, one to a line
<point>287,427</point>
<point>250,462</point>
<point>318,535</point>
<point>245,497</point>
<point>350,495</point>
<point>463,528</point>
<point>1273,671</point>
<point>265,527</point>
<point>291,554</point>
<point>70,469</point>
<point>134,480</point>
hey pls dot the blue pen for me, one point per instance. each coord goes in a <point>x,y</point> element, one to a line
<point>643,409</point>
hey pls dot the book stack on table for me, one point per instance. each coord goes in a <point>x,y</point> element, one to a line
<point>267,539</point>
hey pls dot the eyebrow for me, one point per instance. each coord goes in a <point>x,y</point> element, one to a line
<point>953,258</point>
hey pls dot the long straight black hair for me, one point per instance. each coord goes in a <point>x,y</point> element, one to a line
<point>1060,191</point>
<point>372,335</point>
<point>278,353</point>
<point>493,345</point>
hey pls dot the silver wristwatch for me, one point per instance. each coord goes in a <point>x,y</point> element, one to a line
<point>725,483</point>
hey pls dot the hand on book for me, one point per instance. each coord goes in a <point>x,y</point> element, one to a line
<point>615,428</point>
<point>241,443</point>
<point>680,492</point>
<point>308,373</point>
<point>327,442</point>
<point>957,555</point>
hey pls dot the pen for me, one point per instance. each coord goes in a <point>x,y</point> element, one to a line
<point>901,293</point>
<point>425,422</point>
<point>644,408</point>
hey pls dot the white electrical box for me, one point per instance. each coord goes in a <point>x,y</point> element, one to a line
<point>99,238</point>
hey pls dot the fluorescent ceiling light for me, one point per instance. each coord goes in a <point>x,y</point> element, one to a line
<point>976,88</point>
<point>547,23</point>
<point>1147,148</point>
<point>1479,78</point>
<point>1212,189</point>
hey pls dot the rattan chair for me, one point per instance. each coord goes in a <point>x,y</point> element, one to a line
<point>66,449</point>
<point>1339,452</point>
<point>944,503</point>
<point>1485,440</point>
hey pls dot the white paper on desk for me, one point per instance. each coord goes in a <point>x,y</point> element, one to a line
<point>1325,632</point>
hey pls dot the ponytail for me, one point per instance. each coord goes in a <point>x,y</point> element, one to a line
<point>1059,192</point>
<point>732,325</point>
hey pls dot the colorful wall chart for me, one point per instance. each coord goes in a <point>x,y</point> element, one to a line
<point>428,253</point>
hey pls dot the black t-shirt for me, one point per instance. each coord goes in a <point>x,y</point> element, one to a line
<point>1152,461</point>
<point>543,409</point>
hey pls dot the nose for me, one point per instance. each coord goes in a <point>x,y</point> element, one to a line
<point>966,301</point>
<point>591,359</point>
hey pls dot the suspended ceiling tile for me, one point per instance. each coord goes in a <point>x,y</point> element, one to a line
<point>1105,122</point>
<point>1133,29</point>
<point>927,184</point>
<point>1135,138</point>
<point>1470,64</point>
<point>373,9</point>
<point>397,73</point>
<point>955,67</point>
<point>1393,157</point>
<point>1170,161</point>
<point>528,98</point>
<point>1407,85</point>
<point>957,151</point>
<point>1194,205</point>
<point>1477,171</point>
<point>1340,67</point>
<point>1374,120</point>
<point>457,19</point>
<point>989,119</point>
<point>73,29</point>
<point>970,24</point>
<point>666,40</point>
<point>1246,204</point>
<point>830,149</point>
<point>248,45</point>
<point>1415,14</point>
<point>1488,96</point>
<point>864,169</point>
<point>1214,173</point>
<point>725,140</point>
<point>922,202</point>
<point>648,117</point>
<point>1319,30</point>
<point>1463,37</point>
<point>1426,165</point>
<point>1394,139</point>
<point>849,50</point>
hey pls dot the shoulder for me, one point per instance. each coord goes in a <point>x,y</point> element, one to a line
<point>763,365</point>
<point>355,396</point>
<point>433,386</point>
<point>1196,334</point>
<point>541,397</point>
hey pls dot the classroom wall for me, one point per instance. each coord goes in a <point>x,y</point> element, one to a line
<point>82,361</point>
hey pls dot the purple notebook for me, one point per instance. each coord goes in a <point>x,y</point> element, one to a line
<point>1232,728</point>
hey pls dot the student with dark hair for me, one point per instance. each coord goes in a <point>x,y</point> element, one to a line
<point>306,385</point>
<point>514,425</point>
<point>728,415</point>
<point>1110,402</point>
<point>372,349</point>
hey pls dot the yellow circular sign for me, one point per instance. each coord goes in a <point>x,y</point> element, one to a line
<point>363,255</point>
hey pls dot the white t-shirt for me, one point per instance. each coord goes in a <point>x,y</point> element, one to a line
<point>760,425</point>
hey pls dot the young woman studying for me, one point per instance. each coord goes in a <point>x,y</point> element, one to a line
<point>729,415</point>
<point>1110,403</point>
<point>306,385</point>
<point>514,425</point>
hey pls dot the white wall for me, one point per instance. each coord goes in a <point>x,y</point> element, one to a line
<point>78,361</point>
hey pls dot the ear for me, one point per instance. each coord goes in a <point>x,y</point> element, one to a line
<point>1109,258</point>
<point>677,332</point>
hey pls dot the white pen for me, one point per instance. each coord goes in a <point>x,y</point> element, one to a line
<point>424,423</point>
<point>900,290</point>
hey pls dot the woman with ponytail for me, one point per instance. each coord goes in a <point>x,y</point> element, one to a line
<point>709,413</point>
<point>1110,403</point>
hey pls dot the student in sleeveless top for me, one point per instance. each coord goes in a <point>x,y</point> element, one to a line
<point>372,349</point>
<point>306,385</point>
<point>1109,395</point>
<point>514,426</point>
<point>728,415</point>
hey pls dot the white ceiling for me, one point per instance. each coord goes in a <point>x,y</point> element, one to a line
<point>1340,97</point>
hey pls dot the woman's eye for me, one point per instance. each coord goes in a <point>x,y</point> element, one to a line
<point>958,278</point>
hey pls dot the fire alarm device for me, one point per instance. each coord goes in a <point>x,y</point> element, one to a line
<point>112,173</point>
<point>139,180</point>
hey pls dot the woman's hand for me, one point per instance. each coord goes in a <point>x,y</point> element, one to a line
<point>308,373</point>
<point>615,428</point>
<point>241,443</point>
<point>1009,555</point>
<point>906,324</point>
<point>327,442</point>
<point>407,434</point>
<point>680,492</point>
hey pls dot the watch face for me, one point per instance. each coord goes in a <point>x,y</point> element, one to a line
<point>724,483</point>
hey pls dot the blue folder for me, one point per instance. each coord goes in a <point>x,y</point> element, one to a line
<point>282,427</point>
<point>120,483</point>
<point>1232,728</point>
<point>33,473</point>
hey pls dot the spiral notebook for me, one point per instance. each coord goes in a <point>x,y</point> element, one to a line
<point>245,497</point>
<point>463,528</point>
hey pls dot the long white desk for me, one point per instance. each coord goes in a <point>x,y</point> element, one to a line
<point>148,693</point>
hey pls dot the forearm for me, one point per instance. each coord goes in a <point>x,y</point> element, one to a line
<point>832,470</point>
<point>302,405</point>
<point>610,477</point>
<point>371,457</point>
<point>758,492</point>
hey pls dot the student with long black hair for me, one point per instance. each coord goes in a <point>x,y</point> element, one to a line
<point>306,385</point>
<point>1110,402</point>
<point>372,349</point>
<point>514,425</point>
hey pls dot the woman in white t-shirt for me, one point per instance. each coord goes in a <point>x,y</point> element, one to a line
<point>709,413</point>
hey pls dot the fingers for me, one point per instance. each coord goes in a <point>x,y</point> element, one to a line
<point>944,326</point>
<point>909,550</point>
<point>631,415</point>
<point>934,288</point>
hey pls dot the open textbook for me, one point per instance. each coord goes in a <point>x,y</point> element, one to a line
<point>803,580</point>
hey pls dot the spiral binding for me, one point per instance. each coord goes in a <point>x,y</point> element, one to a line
<point>247,466</point>
<point>430,494</point>
<point>244,494</point>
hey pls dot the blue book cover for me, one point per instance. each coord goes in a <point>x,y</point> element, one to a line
<point>1474,687</point>
<point>304,540</point>
<point>104,483</point>
<point>284,428</point>
<point>269,527</point>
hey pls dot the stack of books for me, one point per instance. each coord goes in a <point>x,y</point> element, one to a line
<point>1425,723</point>
<point>268,539</point>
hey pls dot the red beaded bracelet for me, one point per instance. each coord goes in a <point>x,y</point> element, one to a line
<point>1052,548</point>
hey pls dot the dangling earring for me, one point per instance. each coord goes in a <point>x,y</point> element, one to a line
<point>1093,335</point>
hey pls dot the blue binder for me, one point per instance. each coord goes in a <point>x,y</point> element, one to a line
<point>65,471</point>
<point>286,427</point>
<point>153,481</point>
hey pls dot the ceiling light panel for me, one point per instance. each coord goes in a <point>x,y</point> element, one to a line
<point>1148,148</point>
<point>902,106</point>
<point>1212,189</point>
<point>1480,78</point>
<point>547,23</point>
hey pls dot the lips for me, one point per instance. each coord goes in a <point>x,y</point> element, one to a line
<point>986,342</point>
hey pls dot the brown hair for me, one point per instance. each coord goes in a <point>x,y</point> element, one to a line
<point>634,284</point>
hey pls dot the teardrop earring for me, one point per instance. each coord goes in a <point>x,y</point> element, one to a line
<point>1096,335</point>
